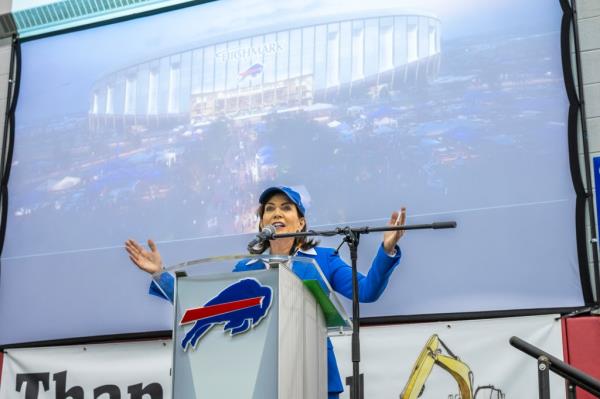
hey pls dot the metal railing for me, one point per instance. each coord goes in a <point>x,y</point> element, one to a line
<point>547,363</point>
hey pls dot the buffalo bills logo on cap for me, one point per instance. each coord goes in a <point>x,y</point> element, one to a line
<point>240,306</point>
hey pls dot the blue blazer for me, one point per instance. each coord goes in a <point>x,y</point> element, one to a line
<point>335,270</point>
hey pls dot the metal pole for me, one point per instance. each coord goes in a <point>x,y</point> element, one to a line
<point>352,239</point>
<point>571,392</point>
<point>544,377</point>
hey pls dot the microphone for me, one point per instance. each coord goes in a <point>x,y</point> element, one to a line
<point>267,232</point>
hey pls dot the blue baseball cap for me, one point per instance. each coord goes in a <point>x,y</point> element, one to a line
<point>293,195</point>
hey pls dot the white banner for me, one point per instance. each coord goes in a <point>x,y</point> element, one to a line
<point>134,370</point>
<point>389,354</point>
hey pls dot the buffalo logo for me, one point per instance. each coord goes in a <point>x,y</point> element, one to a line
<point>240,306</point>
<point>253,71</point>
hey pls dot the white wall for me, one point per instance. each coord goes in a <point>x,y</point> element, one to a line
<point>5,49</point>
<point>5,7</point>
<point>4,67</point>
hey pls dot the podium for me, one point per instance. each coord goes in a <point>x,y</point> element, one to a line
<point>257,334</point>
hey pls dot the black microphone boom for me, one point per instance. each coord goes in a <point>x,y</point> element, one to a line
<point>443,225</point>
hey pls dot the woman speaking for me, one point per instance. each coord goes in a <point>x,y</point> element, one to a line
<point>282,208</point>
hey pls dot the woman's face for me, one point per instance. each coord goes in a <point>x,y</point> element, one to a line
<point>282,214</point>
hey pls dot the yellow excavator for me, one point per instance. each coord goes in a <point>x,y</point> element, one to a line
<point>432,355</point>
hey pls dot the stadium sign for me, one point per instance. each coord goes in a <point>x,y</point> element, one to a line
<point>243,53</point>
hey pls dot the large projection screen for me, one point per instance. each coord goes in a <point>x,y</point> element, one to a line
<point>169,126</point>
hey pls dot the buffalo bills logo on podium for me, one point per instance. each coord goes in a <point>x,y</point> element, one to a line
<point>240,306</point>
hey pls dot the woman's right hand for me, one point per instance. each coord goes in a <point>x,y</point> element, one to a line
<point>148,261</point>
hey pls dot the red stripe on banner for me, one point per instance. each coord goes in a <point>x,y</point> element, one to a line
<point>1,360</point>
<point>191,315</point>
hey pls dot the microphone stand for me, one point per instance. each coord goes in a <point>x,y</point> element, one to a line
<point>352,238</point>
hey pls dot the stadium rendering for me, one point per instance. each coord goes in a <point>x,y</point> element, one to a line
<point>321,60</point>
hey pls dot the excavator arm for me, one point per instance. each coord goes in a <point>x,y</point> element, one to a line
<point>431,355</point>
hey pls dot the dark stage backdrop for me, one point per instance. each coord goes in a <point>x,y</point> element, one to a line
<point>170,126</point>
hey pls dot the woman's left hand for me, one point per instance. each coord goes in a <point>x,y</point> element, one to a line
<point>390,238</point>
